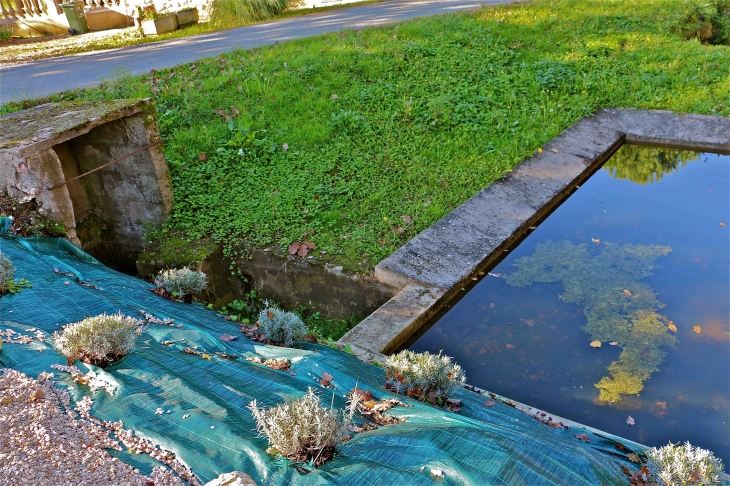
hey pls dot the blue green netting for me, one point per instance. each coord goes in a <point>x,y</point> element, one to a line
<point>481,445</point>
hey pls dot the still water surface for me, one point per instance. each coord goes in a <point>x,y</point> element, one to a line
<point>640,250</point>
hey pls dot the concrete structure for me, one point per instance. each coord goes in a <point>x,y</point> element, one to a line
<point>444,259</point>
<point>96,166</point>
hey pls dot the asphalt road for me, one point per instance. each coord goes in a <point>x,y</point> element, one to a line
<point>47,76</point>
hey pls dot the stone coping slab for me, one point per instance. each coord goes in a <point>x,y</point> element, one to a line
<point>52,123</point>
<point>435,265</point>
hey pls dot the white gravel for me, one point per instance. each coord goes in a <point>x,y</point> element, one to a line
<point>43,441</point>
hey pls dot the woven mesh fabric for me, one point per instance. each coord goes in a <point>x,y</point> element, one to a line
<point>481,445</point>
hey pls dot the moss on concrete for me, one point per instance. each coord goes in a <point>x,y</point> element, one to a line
<point>171,250</point>
<point>52,119</point>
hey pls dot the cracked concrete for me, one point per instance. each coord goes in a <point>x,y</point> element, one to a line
<point>435,265</point>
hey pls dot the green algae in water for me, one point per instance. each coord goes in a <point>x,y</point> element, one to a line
<point>618,308</point>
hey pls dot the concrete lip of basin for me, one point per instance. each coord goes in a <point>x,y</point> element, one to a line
<point>441,261</point>
<point>438,263</point>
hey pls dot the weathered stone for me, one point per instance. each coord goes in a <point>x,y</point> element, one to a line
<point>106,211</point>
<point>235,478</point>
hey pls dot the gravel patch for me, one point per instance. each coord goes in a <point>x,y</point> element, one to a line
<point>43,440</point>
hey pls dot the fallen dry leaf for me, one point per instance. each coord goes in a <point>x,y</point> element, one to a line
<point>293,248</point>
<point>203,157</point>
<point>327,376</point>
<point>227,337</point>
<point>697,329</point>
<point>406,219</point>
<point>453,405</point>
<point>633,457</point>
<point>490,403</point>
<point>595,344</point>
<point>583,437</point>
<point>205,356</point>
<point>630,420</point>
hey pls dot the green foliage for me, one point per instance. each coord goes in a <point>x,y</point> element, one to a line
<point>451,103</point>
<point>684,465</point>
<point>253,10</point>
<point>425,376</point>
<point>181,281</point>
<point>707,21</point>
<point>13,286</point>
<point>618,308</point>
<point>7,273</point>
<point>329,329</point>
<point>645,165</point>
<point>98,340</point>
<point>281,327</point>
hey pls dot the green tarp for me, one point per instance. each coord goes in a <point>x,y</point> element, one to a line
<point>481,445</point>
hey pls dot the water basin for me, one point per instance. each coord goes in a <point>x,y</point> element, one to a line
<point>617,305</point>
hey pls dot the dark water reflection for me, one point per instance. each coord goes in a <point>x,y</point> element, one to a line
<point>527,344</point>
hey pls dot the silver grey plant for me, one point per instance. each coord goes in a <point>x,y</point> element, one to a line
<point>429,376</point>
<point>181,281</point>
<point>98,340</point>
<point>7,272</point>
<point>683,465</point>
<point>303,429</point>
<point>280,327</point>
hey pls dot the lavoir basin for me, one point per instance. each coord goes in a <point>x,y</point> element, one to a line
<point>614,310</point>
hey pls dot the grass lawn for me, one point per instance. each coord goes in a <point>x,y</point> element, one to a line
<point>359,140</point>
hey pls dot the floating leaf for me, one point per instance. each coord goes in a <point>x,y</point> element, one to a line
<point>627,293</point>
<point>595,344</point>
<point>509,346</point>
<point>672,327</point>
<point>596,241</point>
<point>630,420</point>
<point>697,329</point>
<point>722,225</point>
<point>613,343</point>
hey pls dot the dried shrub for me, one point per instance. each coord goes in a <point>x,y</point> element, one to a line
<point>7,273</point>
<point>683,465</point>
<point>425,376</point>
<point>180,282</point>
<point>303,430</point>
<point>98,340</point>
<point>280,327</point>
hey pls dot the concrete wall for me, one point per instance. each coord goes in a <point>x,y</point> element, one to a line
<point>106,211</point>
